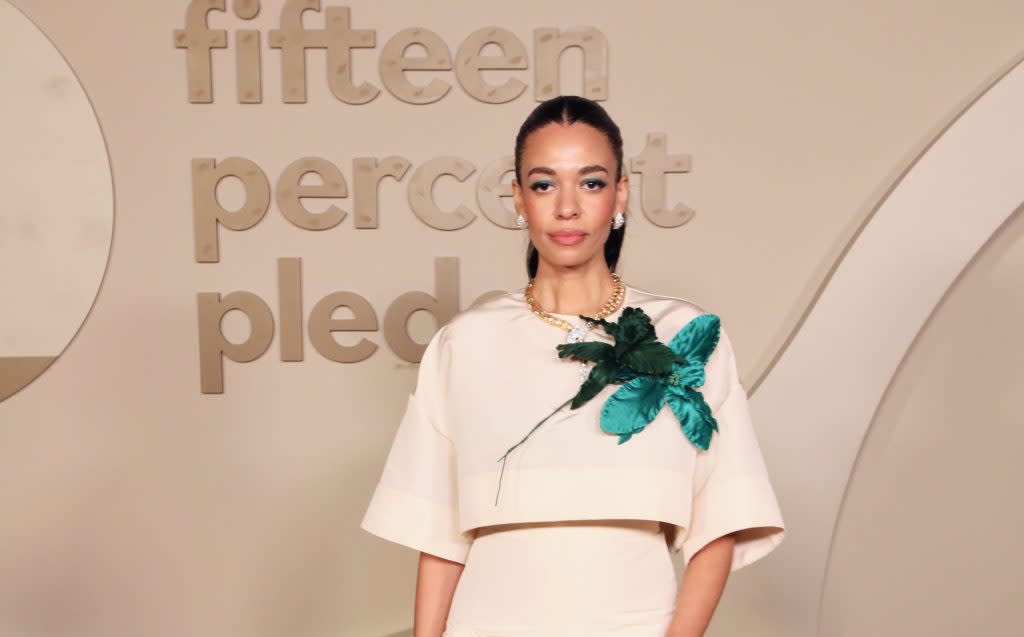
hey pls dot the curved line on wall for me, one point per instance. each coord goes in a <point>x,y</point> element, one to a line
<point>925,232</point>
<point>113,202</point>
<point>792,331</point>
<point>911,349</point>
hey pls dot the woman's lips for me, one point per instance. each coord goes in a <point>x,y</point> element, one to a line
<point>568,238</point>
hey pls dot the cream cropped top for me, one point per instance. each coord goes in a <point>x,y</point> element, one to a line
<point>492,372</point>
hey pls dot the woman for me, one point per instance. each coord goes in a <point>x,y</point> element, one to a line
<point>531,520</point>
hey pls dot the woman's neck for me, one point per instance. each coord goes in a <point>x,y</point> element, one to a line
<point>575,291</point>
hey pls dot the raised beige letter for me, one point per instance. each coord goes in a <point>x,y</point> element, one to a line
<point>469,63</point>
<point>289,307</point>
<point>653,163</point>
<point>198,39</point>
<point>368,175</point>
<point>207,212</point>
<point>340,42</point>
<point>548,46</point>
<point>443,307</point>
<point>289,192</point>
<point>213,346</point>
<point>293,39</point>
<point>321,324</point>
<point>421,195</point>
<point>394,64</point>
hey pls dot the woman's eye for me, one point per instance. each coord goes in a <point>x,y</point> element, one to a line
<point>541,186</point>
<point>594,184</point>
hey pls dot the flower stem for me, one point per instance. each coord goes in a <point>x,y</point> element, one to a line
<point>505,455</point>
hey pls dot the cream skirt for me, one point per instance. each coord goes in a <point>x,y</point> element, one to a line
<point>599,578</point>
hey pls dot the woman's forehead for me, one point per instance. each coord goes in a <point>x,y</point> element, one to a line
<point>573,144</point>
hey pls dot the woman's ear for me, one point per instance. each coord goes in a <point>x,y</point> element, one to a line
<point>517,196</point>
<point>622,194</point>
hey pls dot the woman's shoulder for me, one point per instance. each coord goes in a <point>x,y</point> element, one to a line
<point>486,314</point>
<point>639,295</point>
<point>670,314</point>
<point>666,311</point>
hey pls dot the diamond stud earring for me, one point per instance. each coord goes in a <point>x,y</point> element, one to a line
<point>619,220</point>
<point>520,221</point>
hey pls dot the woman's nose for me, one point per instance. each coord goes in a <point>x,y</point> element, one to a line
<point>568,205</point>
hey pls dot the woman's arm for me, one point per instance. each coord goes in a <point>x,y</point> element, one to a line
<point>703,582</point>
<point>436,578</point>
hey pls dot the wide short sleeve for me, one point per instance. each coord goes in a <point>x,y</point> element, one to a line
<point>415,502</point>
<point>731,487</point>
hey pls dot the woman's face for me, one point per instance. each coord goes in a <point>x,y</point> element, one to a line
<point>568,192</point>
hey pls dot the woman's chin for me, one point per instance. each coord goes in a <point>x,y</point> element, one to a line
<point>567,257</point>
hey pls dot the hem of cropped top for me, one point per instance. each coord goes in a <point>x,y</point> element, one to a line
<point>578,493</point>
<point>556,494</point>
<point>415,522</point>
<point>575,493</point>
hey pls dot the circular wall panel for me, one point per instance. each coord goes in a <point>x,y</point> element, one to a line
<point>56,207</point>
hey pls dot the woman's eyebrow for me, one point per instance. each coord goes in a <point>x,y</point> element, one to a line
<point>541,169</point>
<point>593,168</point>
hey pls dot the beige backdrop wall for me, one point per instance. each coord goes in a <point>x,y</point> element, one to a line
<point>134,503</point>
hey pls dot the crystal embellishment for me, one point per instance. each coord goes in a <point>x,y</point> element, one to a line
<point>575,335</point>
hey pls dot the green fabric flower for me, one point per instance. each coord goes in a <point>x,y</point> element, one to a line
<point>651,374</point>
<point>634,405</point>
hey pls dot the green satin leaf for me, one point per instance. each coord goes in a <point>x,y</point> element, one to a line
<point>587,350</point>
<point>625,374</point>
<point>633,406</point>
<point>689,375</point>
<point>650,358</point>
<point>603,373</point>
<point>697,339</point>
<point>588,390</point>
<point>693,413</point>
<point>600,375</point>
<point>702,406</point>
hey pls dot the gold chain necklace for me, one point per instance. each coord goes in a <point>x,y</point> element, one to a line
<point>612,304</point>
<point>578,332</point>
